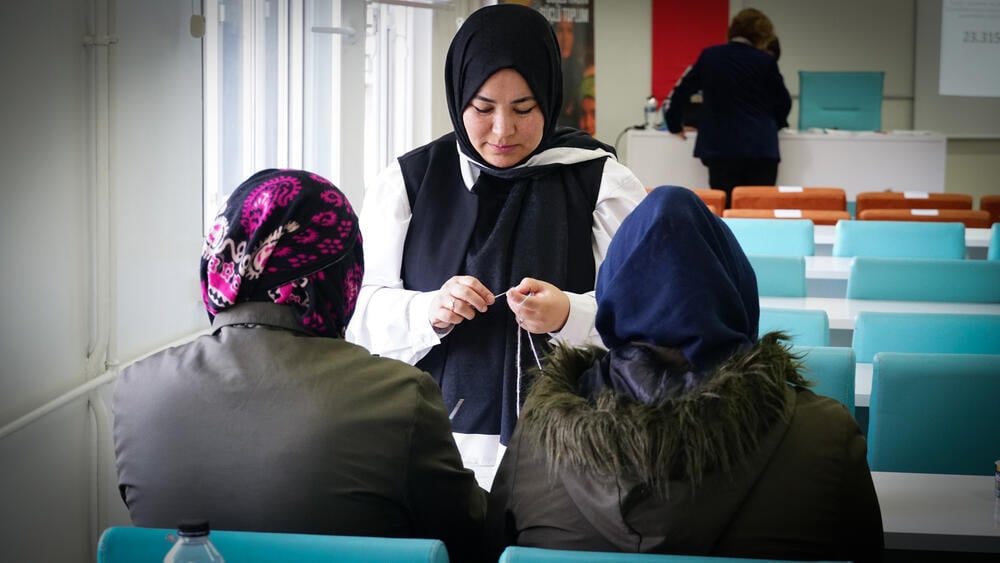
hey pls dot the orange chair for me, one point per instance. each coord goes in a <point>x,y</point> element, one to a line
<point>972,218</point>
<point>714,199</point>
<point>991,203</point>
<point>910,200</point>
<point>817,216</point>
<point>782,197</point>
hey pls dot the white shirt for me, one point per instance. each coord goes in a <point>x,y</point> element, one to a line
<point>393,322</point>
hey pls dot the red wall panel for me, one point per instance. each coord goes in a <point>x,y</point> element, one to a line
<point>681,29</point>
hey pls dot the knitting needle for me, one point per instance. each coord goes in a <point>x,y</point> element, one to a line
<point>454,411</point>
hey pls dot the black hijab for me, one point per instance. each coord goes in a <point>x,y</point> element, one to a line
<point>505,36</point>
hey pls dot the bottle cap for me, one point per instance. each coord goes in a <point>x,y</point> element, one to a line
<point>188,528</point>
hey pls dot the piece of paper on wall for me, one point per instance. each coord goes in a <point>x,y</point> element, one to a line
<point>970,48</point>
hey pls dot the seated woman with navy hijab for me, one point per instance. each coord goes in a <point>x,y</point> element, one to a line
<point>688,435</point>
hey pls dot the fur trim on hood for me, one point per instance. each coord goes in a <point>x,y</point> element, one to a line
<point>715,425</point>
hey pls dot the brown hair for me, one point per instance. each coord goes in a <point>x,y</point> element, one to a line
<point>752,25</point>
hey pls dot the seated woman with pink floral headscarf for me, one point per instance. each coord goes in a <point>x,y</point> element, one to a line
<point>273,422</point>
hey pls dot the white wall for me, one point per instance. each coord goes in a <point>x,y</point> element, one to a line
<point>623,58</point>
<point>99,233</point>
<point>45,225</point>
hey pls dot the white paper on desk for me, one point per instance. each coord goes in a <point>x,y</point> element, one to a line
<point>788,213</point>
<point>789,189</point>
<point>916,195</point>
<point>928,212</point>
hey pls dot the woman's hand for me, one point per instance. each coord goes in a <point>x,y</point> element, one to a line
<point>538,306</point>
<point>459,299</point>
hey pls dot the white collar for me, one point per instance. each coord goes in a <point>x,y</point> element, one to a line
<point>560,155</point>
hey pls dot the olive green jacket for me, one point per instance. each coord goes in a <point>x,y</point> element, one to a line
<point>750,463</point>
<point>262,426</point>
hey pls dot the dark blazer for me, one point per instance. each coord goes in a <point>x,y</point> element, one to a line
<point>261,426</point>
<point>745,102</point>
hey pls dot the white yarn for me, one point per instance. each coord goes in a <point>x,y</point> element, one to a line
<point>538,362</point>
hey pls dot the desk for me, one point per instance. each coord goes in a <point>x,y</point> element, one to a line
<point>930,512</point>
<point>977,241</point>
<point>826,276</point>
<point>842,311</point>
<point>863,384</point>
<point>828,267</point>
<point>857,161</point>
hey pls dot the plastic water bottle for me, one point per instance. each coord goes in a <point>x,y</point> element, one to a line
<point>193,545</point>
<point>650,112</point>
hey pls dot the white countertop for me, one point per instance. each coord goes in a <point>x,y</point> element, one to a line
<point>842,311</point>
<point>939,512</point>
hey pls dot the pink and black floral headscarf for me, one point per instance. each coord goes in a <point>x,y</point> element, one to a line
<point>288,237</point>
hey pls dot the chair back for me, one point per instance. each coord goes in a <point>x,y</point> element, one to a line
<point>779,276</point>
<point>814,216</point>
<point>781,237</point>
<point>516,554</point>
<point>917,279</point>
<point>805,327</point>
<point>911,200</point>
<point>832,368</point>
<point>936,333</point>
<point>970,218</point>
<point>126,544</point>
<point>788,197</point>
<point>714,199</point>
<point>991,204</point>
<point>934,413</point>
<point>994,250</point>
<point>899,239</point>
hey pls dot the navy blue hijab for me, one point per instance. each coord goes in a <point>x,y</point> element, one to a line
<point>675,277</point>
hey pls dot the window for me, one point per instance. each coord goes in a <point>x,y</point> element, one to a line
<point>397,82</point>
<point>274,86</point>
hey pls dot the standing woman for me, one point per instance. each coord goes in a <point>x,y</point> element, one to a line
<point>744,104</point>
<point>483,245</point>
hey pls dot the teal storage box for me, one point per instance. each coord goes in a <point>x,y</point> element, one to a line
<point>851,101</point>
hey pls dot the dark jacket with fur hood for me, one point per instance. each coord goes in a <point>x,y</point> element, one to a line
<point>748,463</point>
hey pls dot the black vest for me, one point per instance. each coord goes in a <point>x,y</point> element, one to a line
<point>538,225</point>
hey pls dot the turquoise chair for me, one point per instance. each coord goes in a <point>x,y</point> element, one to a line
<point>779,276</point>
<point>918,279</point>
<point>899,239</point>
<point>934,413</point>
<point>514,554</point>
<point>994,251</point>
<point>782,237</point>
<point>832,368</point>
<point>805,327</point>
<point>938,333</point>
<point>124,544</point>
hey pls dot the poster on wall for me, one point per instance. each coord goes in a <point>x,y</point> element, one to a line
<point>573,23</point>
<point>970,48</point>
